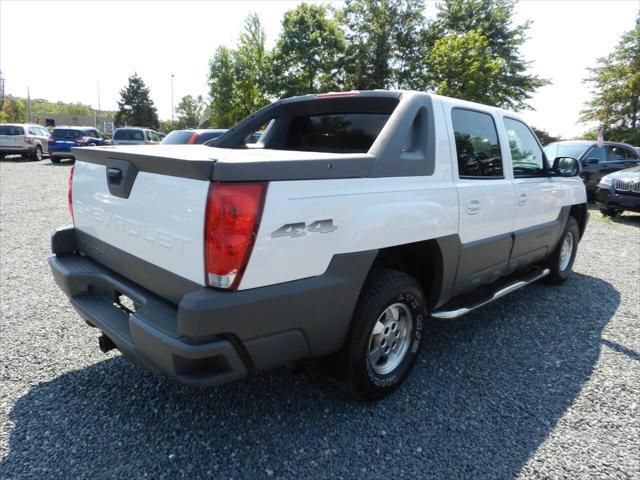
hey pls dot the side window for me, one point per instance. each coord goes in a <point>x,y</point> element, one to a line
<point>477,144</point>
<point>44,131</point>
<point>597,153</point>
<point>34,131</point>
<point>632,155</point>
<point>526,154</point>
<point>618,154</point>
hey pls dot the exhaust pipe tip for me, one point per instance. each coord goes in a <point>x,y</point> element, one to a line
<point>105,343</point>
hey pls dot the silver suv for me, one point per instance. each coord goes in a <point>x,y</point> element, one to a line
<point>136,136</point>
<point>26,139</point>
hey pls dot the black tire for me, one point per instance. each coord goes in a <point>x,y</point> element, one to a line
<point>383,290</point>
<point>560,272</point>
<point>54,159</point>
<point>610,212</point>
<point>36,156</point>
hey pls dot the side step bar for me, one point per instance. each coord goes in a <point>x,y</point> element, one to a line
<point>512,287</point>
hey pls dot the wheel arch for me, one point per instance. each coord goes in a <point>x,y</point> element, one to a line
<point>581,213</point>
<point>433,263</point>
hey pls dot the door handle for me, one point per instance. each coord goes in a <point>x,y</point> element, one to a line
<point>473,206</point>
<point>522,199</point>
<point>114,174</point>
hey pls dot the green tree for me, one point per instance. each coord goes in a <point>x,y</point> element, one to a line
<point>222,89</point>
<point>383,43</point>
<point>492,20</point>
<point>461,66</point>
<point>250,67</point>
<point>15,110</point>
<point>135,106</point>
<point>306,58</point>
<point>615,82</point>
<point>190,111</point>
<point>544,136</point>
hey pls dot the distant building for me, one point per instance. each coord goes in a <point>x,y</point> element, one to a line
<point>49,120</point>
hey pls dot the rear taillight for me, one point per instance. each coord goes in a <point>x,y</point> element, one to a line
<point>28,139</point>
<point>232,218</point>
<point>51,140</point>
<point>70,193</point>
<point>192,138</point>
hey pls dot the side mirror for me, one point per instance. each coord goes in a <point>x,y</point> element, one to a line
<point>591,161</point>
<point>566,167</point>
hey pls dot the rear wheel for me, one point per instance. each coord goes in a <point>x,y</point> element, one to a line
<point>560,263</point>
<point>54,159</point>
<point>386,333</point>
<point>37,153</point>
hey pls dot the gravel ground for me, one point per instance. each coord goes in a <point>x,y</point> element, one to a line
<point>544,383</point>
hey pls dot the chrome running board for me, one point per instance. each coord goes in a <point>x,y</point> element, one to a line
<point>512,287</point>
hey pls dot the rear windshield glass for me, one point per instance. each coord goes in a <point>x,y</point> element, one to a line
<point>11,130</point>
<point>129,135</point>
<point>335,132</point>
<point>573,150</point>
<point>177,137</point>
<point>67,133</point>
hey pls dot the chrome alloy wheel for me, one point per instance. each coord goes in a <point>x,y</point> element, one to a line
<point>566,251</point>
<point>390,339</point>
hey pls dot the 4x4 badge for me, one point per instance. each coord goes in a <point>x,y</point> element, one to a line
<point>300,229</point>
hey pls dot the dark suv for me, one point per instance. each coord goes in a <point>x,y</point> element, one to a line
<point>597,161</point>
<point>63,139</point>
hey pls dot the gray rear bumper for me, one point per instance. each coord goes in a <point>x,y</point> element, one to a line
<point>213,336</point>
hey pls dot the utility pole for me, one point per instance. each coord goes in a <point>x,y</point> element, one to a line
<point>172,75</point>
<point>29,105</point>
<point>98,114</point>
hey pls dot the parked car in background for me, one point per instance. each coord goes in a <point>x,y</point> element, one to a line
<point>597,161</point>
<point>26,139</point>
<point>64,138</point>
<point>619,192</point>
<point>251,139</point>
<point>136,136</point>
<point>192,136</point>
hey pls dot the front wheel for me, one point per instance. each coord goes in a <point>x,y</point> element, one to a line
<point>386,334</point>
<point>610,212</point>
<point>560,262</point>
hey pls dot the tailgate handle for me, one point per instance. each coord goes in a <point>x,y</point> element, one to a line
<point>114,174</point>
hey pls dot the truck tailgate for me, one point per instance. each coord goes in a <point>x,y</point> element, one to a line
<point>161,221</point>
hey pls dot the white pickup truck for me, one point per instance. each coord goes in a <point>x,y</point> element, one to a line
<point>357,218</point>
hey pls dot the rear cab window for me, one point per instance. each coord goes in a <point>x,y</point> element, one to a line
<point>341,124</point>
<point>477,146</point>
<point>335,132</point>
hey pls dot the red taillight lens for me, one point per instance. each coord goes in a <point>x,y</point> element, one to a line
<point>232,218</point>
<point>70,193</point>
<point>51,140</point>
<point>28,139</point>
